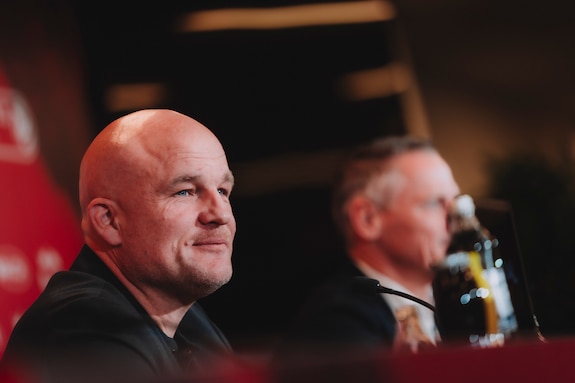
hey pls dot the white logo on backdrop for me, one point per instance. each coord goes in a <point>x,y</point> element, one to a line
<point>18,138</point>
<point>15,272</point>
<point>48,261</point>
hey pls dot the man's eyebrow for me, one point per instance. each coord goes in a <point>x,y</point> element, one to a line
<point>228,177</point>
<point>184,179</point>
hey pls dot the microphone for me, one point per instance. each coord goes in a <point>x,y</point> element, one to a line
<point>372,286</point>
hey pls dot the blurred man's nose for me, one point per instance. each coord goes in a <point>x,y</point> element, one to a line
<point>449,217</point>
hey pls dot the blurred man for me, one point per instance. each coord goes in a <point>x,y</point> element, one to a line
<point>158,227</point>
<point>390,201</point>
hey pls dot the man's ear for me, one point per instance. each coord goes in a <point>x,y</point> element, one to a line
<point>102,216</point>
<point>365,218</point>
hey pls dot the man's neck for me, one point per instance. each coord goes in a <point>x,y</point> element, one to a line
<point>169,322</point>
<point>164,310</point>
<point>416,282</point>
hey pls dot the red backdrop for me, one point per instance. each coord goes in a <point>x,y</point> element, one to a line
<point>44,128</point>
<point>39,232</point>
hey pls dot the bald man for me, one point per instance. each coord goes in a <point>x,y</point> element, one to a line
<point>158,226</point>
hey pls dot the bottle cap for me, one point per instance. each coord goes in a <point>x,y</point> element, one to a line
<point>464,206</point>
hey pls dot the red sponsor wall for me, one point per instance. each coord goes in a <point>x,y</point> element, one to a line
<point>43,131</point>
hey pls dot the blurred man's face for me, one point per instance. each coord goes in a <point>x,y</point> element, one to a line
<point>415,233</point>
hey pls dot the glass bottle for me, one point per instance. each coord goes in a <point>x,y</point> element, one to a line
<point>472,299</point>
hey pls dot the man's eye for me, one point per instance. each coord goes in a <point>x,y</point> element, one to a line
<point>434,203</point>
<point>183,193</point>
<point>437,203</point>
<point>223,192</point>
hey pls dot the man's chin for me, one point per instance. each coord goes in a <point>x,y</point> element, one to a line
<point>220,279</point>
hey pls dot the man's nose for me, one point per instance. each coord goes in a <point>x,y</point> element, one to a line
<point>215,209</point>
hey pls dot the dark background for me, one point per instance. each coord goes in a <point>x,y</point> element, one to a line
<point>495,78</point>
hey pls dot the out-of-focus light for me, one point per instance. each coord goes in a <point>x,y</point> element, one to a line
<point>287,17</point>
<point>122,97</point>
<point>385,81</point>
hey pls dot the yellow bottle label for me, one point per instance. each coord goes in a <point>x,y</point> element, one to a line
<point>485,292</point>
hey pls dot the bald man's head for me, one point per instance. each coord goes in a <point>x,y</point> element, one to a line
<point>121,151</point>
<point>154,191</point>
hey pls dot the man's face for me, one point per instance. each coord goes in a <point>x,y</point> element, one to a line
<point>176,217</point>
<point>415,233</point>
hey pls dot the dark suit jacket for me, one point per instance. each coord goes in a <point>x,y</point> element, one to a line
<point>86,325</point>
<point>339,317</point>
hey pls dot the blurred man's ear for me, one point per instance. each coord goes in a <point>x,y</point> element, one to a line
<point>102,218</point>
<point>365,218</point>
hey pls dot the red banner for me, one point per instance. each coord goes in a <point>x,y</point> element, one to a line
<point>39,232</point>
